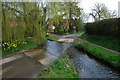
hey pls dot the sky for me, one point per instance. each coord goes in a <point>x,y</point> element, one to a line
<point>88,4</point>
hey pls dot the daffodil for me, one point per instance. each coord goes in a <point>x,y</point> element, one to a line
<point>5,43</point>
<point>14,45</point>
<point>24,42</point>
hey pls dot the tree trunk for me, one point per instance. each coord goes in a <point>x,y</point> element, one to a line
<point>70,18</point>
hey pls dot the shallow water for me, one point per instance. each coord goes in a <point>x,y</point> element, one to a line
<point>36,60</point>
<point>89,67</point>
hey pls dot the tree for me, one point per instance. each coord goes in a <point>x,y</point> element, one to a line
<point>100,12</point>
<point>27,19</point>
<point>72,12</point>
<point>55,14</point>
<point>109,14</point>
<point>85,16</point>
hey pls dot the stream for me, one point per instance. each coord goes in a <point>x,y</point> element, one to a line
<point>87,66</point>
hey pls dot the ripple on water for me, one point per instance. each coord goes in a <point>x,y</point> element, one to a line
<point>88,67</point>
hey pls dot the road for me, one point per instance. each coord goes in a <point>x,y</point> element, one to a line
<point>30,63</point>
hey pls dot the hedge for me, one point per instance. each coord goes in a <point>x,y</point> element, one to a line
<point>105,27</point>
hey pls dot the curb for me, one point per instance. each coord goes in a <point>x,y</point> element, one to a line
<point>101,46</point>
<point>11,58</point>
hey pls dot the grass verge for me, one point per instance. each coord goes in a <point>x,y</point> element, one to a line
<point>105,41</point>
<point>63,33</point>
<point>100,53</point>
<point>52,38</point>
<point>77,32</point>
<point>16,46</point>
<point>61,68</point>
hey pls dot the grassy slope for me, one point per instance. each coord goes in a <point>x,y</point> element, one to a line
<point>105,55</point>
<point>61,68</point>
<point>105,41</point>
<point>52,38</point>
<point>29,45</point>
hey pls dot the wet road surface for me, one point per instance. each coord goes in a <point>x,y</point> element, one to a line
<point>23,67</point>
<point>35,61</point>
<point>29,66</point>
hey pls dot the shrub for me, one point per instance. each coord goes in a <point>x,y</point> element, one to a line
<point>104,27</point>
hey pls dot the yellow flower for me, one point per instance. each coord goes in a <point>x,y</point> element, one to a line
<point>14,45</point>
<point>24,42</point>
<point>5,43</point>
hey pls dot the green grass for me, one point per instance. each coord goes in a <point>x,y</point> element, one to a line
<point>63,33</point>
<point>76,32</point>
<point>105,41</point>
<point>61,68</point>
<point>60,33</point>
<point>100,53</point>
<point>52,38</point>
<point>30,44</point>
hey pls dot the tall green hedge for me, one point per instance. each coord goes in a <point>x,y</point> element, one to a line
<point>109,27</point>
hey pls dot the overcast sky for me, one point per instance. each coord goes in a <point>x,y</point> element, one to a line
<point>88,4</point>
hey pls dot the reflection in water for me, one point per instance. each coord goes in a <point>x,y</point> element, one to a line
<point>86,66</point>
<point>56,49</point>
<point>89,67</point>
<point>29,67</point>
<point>53,50</point>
